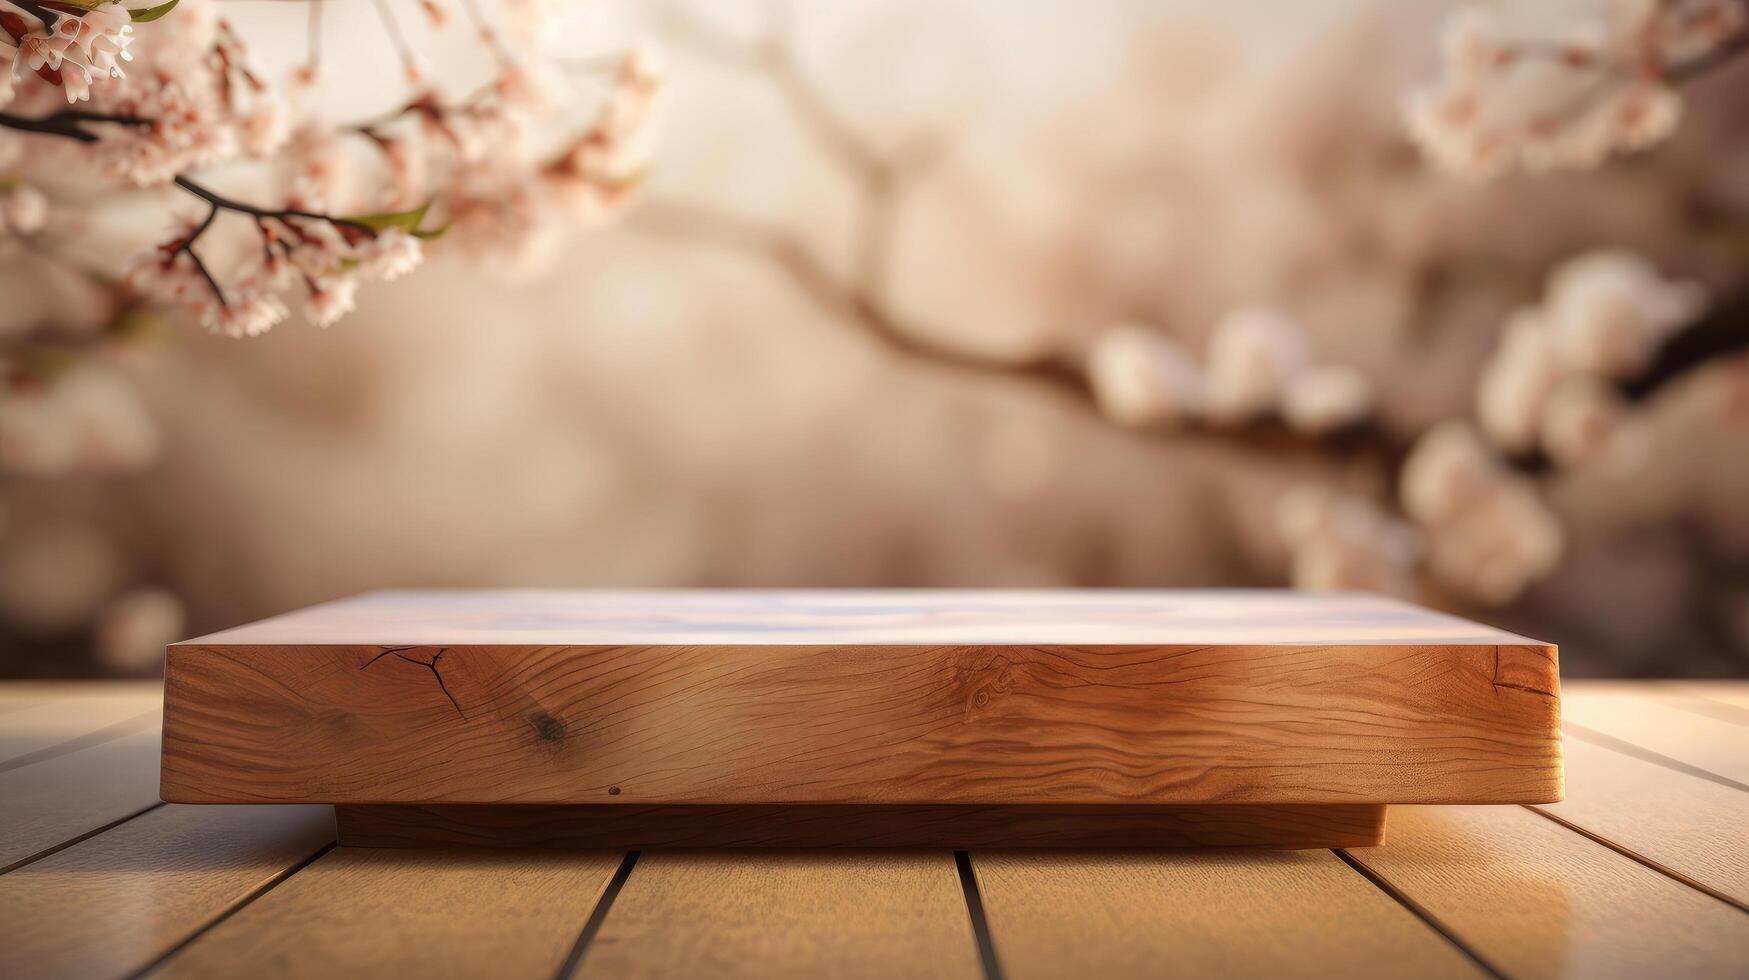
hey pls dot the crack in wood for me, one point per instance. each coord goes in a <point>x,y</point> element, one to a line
<point>1495,680</point>
<point>400,653</point>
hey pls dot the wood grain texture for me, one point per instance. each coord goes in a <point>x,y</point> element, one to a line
<point>948,826</point>
<point>358,912</point>
<point>1637,715</point>
<point>111,905</point>
<point>773,915</point>
<point>1373,702</point>
<point>1539,901</point>
<point>1204,914</point>
<point>50,802</point>
<point>1690,825</point>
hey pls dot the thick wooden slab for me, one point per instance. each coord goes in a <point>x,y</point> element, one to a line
<point>1062,698</point>
<point>944,826</point>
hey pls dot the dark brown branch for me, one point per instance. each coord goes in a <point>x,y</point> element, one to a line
<point>860,300</point>
<point>1723,331</point>
<point>1059,375</point>
<point>186,247</point>
<point>772,58</point>
<point>218,200</point>
<point>62,124</point>
<point>70,124</point>
<point>848,301</point>
<point>1695,67</point>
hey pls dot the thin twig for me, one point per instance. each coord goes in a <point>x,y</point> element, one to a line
<point>398,39</point>
<point>186,247</point>
<point>488,34</point>
<point>313,40</point>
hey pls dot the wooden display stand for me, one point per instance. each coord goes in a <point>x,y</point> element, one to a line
<point>891,718</point>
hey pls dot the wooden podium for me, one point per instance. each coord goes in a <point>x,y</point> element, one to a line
<point>869,718</point>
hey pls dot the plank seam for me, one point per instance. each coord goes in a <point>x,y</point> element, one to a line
<point>1668,872</point>
<point>56,849</point>
<point>1598,738</point>
<point>230,910</point>
<point>574,960</point>
<point>980,923</point>
<point>1418,910</point>
<point>108,733</point>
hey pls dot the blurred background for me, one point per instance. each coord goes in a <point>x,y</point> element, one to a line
<point>902,302</point>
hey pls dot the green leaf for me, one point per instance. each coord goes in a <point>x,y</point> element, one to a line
<point>143,14</point>
<point>10,184</point>
<point>407,221</point>
<point>137,323</point>
<point>46,362</point>
<point>431,234</point>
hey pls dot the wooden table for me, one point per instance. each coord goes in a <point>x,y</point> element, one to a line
<point>1643,871</point>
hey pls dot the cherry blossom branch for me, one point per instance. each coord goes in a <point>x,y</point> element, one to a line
<point>1706,63</point>
<point>1368,447</point>
<point>68,125</point>
<point>64,124</point>
<point>1580,57</point>
<point>882,181</point>
<point>219,201</point>
<point>1061,377</point>
<point>847,300</point>
<point>1614,93</point>
<point>858,301</point>
<point>185,246</point>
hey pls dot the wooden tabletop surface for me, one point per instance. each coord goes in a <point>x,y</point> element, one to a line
<point>1643,871</point>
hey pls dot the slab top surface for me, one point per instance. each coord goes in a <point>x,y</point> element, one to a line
<point>863,617</point>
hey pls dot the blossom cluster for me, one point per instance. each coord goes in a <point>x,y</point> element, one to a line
<point>1551,384</point>
<point>1607,85</point>
<point>328,258</point>
<point>111,113</point>
<point>1342,541</point>
<point>506,169</point>
<point>1489,535</point>
<point>1258,364</point>
<point>73,48</point>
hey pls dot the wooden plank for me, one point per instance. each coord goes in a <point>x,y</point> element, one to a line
<point>113,904</point>
<point>22,693</point>
<point>1203,914</point>
<point>1536,900</point>
<point>358,912</point>
<point>788,914</point>
<point>1628,713</point>
<point>946,826</point>
<point>839,698</point>
<point>53,801</point>
<point>1688,824</point>
<point>38,729</point>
